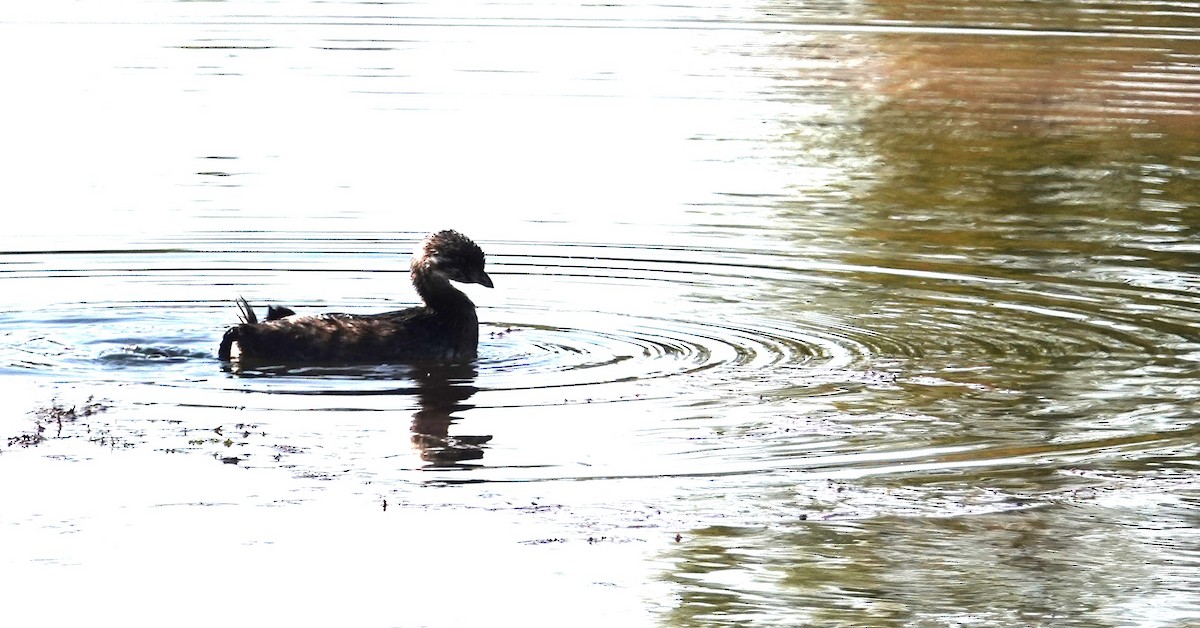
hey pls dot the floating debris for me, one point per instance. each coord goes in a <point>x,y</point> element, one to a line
<point>56,414</point>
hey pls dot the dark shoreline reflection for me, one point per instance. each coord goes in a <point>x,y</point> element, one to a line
<point>441,391</point>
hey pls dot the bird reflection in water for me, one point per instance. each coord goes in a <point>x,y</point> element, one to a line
<point>442,390</point>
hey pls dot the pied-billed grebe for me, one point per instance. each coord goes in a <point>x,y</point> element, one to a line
<point>446,328</point>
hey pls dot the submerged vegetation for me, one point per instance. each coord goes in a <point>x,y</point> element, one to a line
<point>57,415</point>
<point>61,421</point>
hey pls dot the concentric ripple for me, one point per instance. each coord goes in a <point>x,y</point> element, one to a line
<point>921,323</point>
<point>529,354</point>
<point>587,323</point>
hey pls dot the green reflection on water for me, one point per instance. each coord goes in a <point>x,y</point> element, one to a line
<point>1016,216</point>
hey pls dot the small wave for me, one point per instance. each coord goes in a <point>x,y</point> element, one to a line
<point>147,355</point>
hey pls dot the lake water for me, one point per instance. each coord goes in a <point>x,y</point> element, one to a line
<point>828,313</point>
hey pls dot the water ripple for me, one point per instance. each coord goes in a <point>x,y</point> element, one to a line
<point>590,323</point>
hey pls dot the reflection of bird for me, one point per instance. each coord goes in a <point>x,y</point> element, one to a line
<point>446,328</point>
<point>442,390</point>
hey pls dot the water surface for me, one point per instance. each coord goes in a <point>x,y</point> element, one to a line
<point>822,314</point>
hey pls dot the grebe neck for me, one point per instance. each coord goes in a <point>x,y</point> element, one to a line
<point>438,293</point>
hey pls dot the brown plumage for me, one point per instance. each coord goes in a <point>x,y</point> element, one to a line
<point>445,329</point>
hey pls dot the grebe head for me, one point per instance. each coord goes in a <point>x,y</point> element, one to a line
<point>452,255</point>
